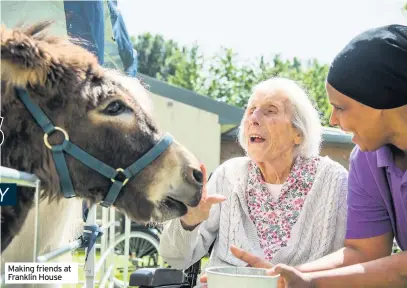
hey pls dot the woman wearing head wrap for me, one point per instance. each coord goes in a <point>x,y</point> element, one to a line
<point>367,86</point>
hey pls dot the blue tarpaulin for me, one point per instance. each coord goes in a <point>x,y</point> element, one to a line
<point>127,54</point>
<point>86,19</point>
<point>98,22</point>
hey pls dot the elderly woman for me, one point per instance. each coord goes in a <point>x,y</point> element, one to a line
<point>283,202</point>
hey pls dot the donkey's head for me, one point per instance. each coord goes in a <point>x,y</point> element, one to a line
<point>106,114</point>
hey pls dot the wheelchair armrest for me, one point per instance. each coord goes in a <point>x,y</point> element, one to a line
<point>157,277</point>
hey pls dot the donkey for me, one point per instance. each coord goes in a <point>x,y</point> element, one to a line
<point>102,116</point>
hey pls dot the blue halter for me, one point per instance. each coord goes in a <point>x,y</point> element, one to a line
<point>59,158</point>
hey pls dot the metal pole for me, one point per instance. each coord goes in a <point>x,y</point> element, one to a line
<point>105,222</point>
<point>90,264</point>
<point>106,276</point>
<point>9,175</point>
<point>102,260</point>
<point>112,233</point>
<point>60,251</point>
<point>36,221</point>
<point>126,249</point>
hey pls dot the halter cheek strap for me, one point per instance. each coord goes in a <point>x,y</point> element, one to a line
<point>66,146</point>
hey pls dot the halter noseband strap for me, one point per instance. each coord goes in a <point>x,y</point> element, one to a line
<point>66,146</point>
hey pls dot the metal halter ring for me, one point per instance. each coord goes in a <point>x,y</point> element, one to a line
<point>59,129</point>
<point>121,170</point>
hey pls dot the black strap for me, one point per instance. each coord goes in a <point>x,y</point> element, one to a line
<point>90,234</point>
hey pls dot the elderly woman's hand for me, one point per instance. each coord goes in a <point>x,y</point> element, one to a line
<point>251,259</point>
<point>256,262</point>
<point>198,214</point>
<point>290,277</point>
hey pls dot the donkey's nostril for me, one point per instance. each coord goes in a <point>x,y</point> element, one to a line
<point>197,176</point>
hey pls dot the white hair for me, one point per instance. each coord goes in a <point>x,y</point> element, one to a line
<point>305,117</point>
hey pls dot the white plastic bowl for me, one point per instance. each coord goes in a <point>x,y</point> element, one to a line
<point>240,277</point>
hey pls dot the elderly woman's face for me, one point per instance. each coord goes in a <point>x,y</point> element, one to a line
<point>268,126</point>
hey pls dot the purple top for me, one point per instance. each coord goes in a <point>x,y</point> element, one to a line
<point>377,196</point>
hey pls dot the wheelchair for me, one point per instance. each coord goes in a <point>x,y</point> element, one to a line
<point>167,277</point>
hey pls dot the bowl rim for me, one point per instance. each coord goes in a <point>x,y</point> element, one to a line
<point>210,271</point>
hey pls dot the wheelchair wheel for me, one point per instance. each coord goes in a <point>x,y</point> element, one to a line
<point>143,253</point>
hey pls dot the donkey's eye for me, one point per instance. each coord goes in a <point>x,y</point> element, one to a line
<point>115,108</point>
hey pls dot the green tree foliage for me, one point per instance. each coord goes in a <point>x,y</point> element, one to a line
<point>224,76</point>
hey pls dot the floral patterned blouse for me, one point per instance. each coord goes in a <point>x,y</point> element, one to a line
<point>274,218</point>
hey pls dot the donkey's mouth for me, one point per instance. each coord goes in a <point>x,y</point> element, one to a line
<point>174,204</point>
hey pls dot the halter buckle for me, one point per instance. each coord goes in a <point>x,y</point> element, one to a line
<point>55,128</point>
<point>120,170</point>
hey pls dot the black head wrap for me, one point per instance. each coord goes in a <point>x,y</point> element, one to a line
<point>372,68</point>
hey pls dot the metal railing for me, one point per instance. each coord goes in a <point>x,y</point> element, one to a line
<point>107,243</point>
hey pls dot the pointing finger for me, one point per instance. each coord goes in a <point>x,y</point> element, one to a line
<point>204,190</point>
<point>249,258</point>
<point>214,199</point>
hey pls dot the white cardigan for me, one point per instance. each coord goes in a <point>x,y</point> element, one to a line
<point>319,230</point>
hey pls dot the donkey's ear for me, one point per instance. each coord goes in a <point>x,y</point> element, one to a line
<point>22,59</point>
